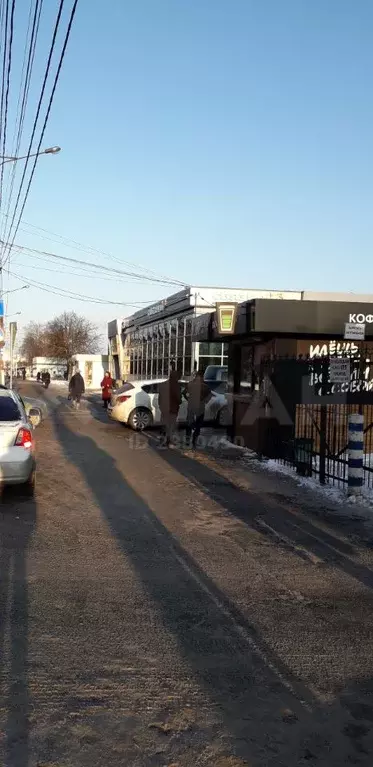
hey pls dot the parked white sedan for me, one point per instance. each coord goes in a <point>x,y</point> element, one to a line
<point>136,404</point>
<point>17,456</point>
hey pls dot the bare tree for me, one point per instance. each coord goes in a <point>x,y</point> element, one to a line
<point>34,342</point>
<point>69,334</point>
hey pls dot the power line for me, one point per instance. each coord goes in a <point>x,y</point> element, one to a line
<point>98,267</point>
<point>29,54</point>
<point>7,54</point>
<point>75,245</point>
<point>90,249</point>
<point>70,294</point>
<point>62,56</point>
<point>84,274</point>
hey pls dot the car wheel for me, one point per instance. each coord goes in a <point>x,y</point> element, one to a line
<point>140,419</point>
<point>30,486</point>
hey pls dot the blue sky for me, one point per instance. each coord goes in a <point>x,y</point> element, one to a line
<point>223,142</point>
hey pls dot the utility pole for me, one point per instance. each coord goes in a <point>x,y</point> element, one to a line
<point>12,338</point>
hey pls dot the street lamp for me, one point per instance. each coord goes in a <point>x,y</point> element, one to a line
<point>49,150</point>
<point>16,314</point>
<point>24,287</point>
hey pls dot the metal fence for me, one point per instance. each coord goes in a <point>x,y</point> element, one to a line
<point>319,447</point>
<point>317,442</point>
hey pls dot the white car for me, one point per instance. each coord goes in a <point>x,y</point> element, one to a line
<point>136,404</point>
<point>17,451</point>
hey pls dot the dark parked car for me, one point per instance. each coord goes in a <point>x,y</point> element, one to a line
<point>216,377</point>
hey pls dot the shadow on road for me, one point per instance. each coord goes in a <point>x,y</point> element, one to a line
<point>276,523</point>
<point>244,678</point>
<point>17,523</point>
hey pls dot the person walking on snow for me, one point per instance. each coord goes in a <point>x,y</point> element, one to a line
<point>76,389</point>
<point>107,384</point>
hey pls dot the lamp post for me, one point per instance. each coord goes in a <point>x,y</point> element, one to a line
<point>3,160</point>
<point>24,287</point>
<point>49,150</point>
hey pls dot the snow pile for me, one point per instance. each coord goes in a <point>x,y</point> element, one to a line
<point>335,494</point>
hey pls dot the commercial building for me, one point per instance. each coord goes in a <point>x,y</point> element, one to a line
<point>277,348</point>
<point>148,343</point>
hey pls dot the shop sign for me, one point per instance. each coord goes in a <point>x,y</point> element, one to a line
<point>360,319</point>
<point>155,309</point>
<point>226,318</point>
<point>339,370</point>
<point>355,331</point>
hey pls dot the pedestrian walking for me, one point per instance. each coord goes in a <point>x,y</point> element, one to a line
<point>107,384</point>
<point>169,403</point>
<point>198,395</point>
<point>76,389</point>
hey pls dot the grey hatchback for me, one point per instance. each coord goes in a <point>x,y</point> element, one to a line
<point>17,450</point>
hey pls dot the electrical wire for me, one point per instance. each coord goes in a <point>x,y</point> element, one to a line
<point>84,274</point>
<point>92,265</point>
<point>6,101</point>
<point>70,294</point>
<point>11,237</point>
<point>91,250</point>
<point>28,62</point>
<point>4,97</point>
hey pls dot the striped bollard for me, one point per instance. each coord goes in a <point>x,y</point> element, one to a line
<point>355,453</point>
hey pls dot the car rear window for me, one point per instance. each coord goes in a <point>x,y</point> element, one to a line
<point>9,410</point>
<point>122,389</point>
<point>152,388</point>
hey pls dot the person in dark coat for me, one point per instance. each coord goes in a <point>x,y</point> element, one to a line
<point>106,384</point>
<point>76,389</point>
<point>169,403</point>
<point>198,396</point>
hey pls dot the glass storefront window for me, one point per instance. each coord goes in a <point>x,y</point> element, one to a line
<point>205,361</point>
<point>187,366</point>
<point>173,339</point>
<point>166,365</point>
<point>153,349</point>
<point>210,349</point>
<point>188,337</point>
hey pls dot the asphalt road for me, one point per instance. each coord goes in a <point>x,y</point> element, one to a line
<point>157,613</point>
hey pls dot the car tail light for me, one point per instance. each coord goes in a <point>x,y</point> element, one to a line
<point>123,398</point>
<point>24,439</point>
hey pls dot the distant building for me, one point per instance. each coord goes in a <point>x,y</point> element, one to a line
<point>92,367</point>
<point>56,368</point>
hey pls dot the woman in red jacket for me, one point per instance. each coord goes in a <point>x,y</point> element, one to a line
<point>107,384</point>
